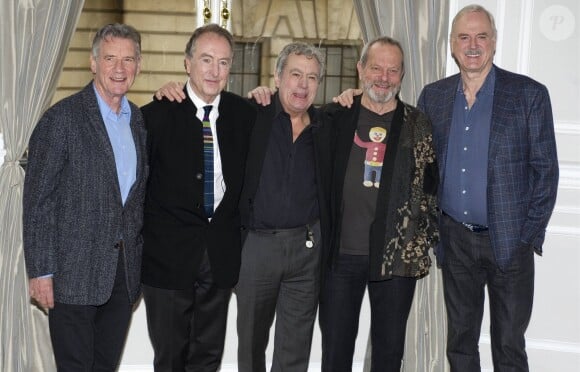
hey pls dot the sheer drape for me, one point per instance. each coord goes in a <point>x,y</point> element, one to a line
<point>33,42</point>
<point>421,26</point>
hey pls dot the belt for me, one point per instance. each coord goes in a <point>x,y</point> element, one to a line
<point>289,230</point>
<point>292,231</point>
<point>473,227</point>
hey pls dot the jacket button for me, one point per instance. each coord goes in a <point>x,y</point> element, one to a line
<point>199,176</point>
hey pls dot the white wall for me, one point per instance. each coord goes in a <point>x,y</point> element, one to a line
<point>539,38</point>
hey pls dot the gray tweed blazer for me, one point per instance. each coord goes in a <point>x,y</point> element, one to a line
<point>73,214</point>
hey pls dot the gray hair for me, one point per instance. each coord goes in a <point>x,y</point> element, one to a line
<point>118,30</point>
<point>384,40</point>
<point>213,28</point>
<point>300,49</point>
<point>474,8</point>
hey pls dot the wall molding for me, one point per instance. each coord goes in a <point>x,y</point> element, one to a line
<point>564,230</point>
<point>499,13</point>
<point>569,176</point>
<point>527,13</point>
<point>542,344</point>
<point>567,127</point>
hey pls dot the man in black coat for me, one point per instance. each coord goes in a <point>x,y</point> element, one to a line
<point>191,255</point>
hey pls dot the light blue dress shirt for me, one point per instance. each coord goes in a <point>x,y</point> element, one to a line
<point>121,139</point>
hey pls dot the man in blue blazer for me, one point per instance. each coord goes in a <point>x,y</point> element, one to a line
<point>494,136</point>
<point>83,208</point>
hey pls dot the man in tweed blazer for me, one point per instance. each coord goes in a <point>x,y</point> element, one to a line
<point>494,136</point>
<point>83,208</point>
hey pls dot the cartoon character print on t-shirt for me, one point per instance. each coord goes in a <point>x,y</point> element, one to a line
<point>375,153</point>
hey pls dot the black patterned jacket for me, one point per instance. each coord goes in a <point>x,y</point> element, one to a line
<point>405,223</point>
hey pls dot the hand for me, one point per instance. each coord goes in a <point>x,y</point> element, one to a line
<point>40,290</point>
<point>172,90</point>
<point>262,95</point>
<point>346,98</point>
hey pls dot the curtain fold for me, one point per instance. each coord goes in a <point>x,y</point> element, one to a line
<point>34,38</point>
<point>421,27</point>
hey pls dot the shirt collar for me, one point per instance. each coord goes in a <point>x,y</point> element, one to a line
<point>107,111</point>
<point>198,102</point>
<point>487,87</point>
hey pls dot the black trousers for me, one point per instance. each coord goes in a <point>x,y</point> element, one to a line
<point>340,305</point>
<point>469,266</point>
<point>91,338</point>
<point>188,327</point>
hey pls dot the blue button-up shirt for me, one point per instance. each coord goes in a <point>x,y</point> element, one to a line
<point>121,138</point>
<point>464,195</point>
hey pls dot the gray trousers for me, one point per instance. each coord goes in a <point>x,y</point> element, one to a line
<point>279,276</point>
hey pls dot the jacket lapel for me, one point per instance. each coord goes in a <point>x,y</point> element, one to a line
<point>258,145</point>
<point>224,130</point>
<point>139,138</point>
<point>387,174</point>
<point>346,129</point>
<point>445,116</point>
<point>503,104</point>
<point>97,126</point>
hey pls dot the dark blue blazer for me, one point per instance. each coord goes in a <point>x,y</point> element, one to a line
<point>522,171</point>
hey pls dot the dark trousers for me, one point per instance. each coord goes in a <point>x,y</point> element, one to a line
<point>340,305</point>
<point>187,327</point>
<point>91,338</point>
<point>279,276</point>
<point>468,267</point>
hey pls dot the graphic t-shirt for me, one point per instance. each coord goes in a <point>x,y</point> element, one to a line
<point>362,180</point>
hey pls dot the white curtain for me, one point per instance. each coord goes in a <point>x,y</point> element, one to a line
<point>421,27</point>
<point>34,37</point>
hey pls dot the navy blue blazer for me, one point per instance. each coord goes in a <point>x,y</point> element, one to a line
<point>522,166</point>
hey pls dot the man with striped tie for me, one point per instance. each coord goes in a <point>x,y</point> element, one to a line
<point>191,255</point>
